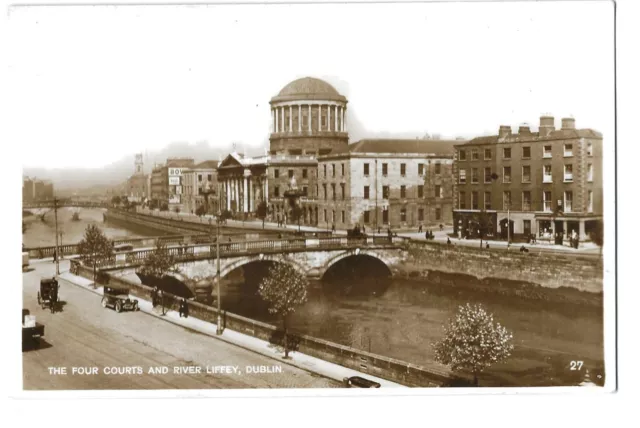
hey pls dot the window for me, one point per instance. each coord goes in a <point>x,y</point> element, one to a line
<point>568,172</point>
<point>420,191</point>
<point>568,201</point>
<point>304,173</point>
<point>590,202</point>
<point>526,174</point>
<point>589,149</point>
<point>474,200</point>
<point>487,174</point>
<point>462,155</point>
<point>366,169</point>
<point>342,216</point>
<point>526,152</point>
<point>403,191</point>
<point>589,172</point>
<point>333,191</point>
<point>290,173</point>
<point>420,169</point>
<point>420,214</point>
<point>487,154</point>
<point>437,169</point>
<point>276,191</point>
<point>209,177</point>
<point>403,215</point>
<point>526,200</point>
<point>474,154</point>
<point>385,168</point>
<point>342,165</point>
<point>325,171</point>
<point>463,176</point>
<point>546,152</point>
<point>568,150</point>
<point>199,178</point>
<point>506,174</point>
<point>342,190</point>
<point>506,200</point>
<point>462,202</point>
<point>438,191</point>
<point>324,121</point>
<point>385,216</point>
<point>438,213</point>
<point>474,175</point>
<point>487,200</point>
<point>366,217</point>
<point>324,191</point>
<point>333,169</point>
<point>546,174</point>
<point>506,153</point>
<point>385,192</point>
<point>366,192</point>
<point>325,216</point>
<point>546,201</point>
<point>403,169</point>
<point>305,190</point>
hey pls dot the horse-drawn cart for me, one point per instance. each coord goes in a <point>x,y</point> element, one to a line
<point>48,294</point>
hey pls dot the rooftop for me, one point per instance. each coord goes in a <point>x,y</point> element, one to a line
<point>561,134</point>
<point>308,88</point>
<point>400,146</point>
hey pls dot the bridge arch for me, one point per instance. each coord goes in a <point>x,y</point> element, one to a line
<point>227,268</point>
<point>355,253</point>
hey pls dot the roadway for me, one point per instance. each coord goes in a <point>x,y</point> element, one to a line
<point>86,335</point>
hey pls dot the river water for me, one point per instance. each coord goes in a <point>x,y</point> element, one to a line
<point>402,318</point>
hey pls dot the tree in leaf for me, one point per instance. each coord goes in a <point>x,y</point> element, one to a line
<point>284,289</point>
<point>473,342</point>
<point>94,247</point>
<point>201,210</point>
<point>261,211</point>
<point>597,234</point>
<point>115,200</point>
<point>159,263</point>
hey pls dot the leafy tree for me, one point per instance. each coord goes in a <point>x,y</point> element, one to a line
<point>261,211</point>
<point>116,200</point>
<point>472,342</point>
<point>159,262</point>
<point>284,290</point>
<point>94,247</point>
<point>597,234</point>
<point>201,210</point>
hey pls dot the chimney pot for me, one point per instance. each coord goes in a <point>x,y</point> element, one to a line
<point>568,123</point>
<point>504,131</point>
<point>547,125</point>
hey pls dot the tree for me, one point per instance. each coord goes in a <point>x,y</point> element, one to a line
<point>296,213</point>
<point>472,342</point>
<point>283,289</point>
<point>261,211</point>
<point>94,247</point>
<point>200,211</point>
<point>159,262</point>
<point>116,200</point>
<point>597,234</point>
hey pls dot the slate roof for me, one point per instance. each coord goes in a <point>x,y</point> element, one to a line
<point>401,146</point>
<point>210,164</point>
<point>561,134</point>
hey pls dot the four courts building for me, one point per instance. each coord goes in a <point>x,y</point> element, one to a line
<point>311,166</point>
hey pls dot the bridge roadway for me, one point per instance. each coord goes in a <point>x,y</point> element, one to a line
<point>86,335</point>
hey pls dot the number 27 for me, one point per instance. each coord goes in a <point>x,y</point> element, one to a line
<point>575,365</point>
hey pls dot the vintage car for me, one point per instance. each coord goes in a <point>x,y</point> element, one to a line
<point>48,295</point>
<point>359,382</point>
<point>118,298</point>
<point>32,331</point>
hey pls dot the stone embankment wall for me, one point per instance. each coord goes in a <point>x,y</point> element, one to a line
<point>365,362</point>
<point>441,263</point>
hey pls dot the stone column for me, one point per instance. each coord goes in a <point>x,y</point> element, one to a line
<point>245,196</point>
<point>336,120</point>
<point>290,118</point>
<point>328,118</point>
<point>299,118</point>
<point>564,227</point>
<point>582,235</point>
<point>266,189</point>
<point>309,118</point>
<point>227,185</point>
<point>344,119</point>
<point>275,113</point>
<point>319,117</point>
<point>272,121</point>
<point>283,123</point>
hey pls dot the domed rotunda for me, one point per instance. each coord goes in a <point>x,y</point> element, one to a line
<point>308,118</point>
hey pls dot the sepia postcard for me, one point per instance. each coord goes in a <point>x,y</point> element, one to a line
<point>315,199</point>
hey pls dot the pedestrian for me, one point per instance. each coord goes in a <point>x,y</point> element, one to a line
<point>487,246</point>
<point>154,297</point>
<point>441,227</point>
<point>379,229</point>
<point>426,235</point>
<point>420,228</point>
<point>333,227</point>
<point>184,308</point>
<point>524,249</point>
<point>448,241</point>
<point>363,229</point>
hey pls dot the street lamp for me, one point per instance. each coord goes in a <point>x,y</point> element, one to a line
<point>219,318</point>
<point>55,209</point>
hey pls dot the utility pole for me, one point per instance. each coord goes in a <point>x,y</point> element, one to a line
<point>55,211</point>
<point>219,322</point>
<point>376,183</point>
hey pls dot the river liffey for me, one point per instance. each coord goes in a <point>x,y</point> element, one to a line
<point>402,318</point>
<point>42,233</point>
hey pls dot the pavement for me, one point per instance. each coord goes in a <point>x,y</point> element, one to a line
<point>264,348</point>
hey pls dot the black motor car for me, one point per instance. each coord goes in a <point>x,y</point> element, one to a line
<point>118,298</point>
<point>360,382</point>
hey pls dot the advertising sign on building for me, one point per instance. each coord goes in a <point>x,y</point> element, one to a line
<point>175,172</point>
<point>178,190</point>
<point>174,199</point>
<point>174,181</point>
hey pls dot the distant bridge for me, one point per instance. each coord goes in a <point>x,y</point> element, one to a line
<point>64,203</point>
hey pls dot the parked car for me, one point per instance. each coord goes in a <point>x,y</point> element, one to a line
<point>32,331</point>
<point>360,382</point>
<point>118,298</point>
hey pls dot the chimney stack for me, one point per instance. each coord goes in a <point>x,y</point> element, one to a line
<point>524,129</point>
<point>547,125</point>
<point>568,123</point>
<point>505,130</point>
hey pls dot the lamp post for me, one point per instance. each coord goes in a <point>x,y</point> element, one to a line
<point>61,245</point>
<point>55,210</point>
<point>219,317</point>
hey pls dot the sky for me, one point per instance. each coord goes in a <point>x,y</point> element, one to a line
<point>94,84</point>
